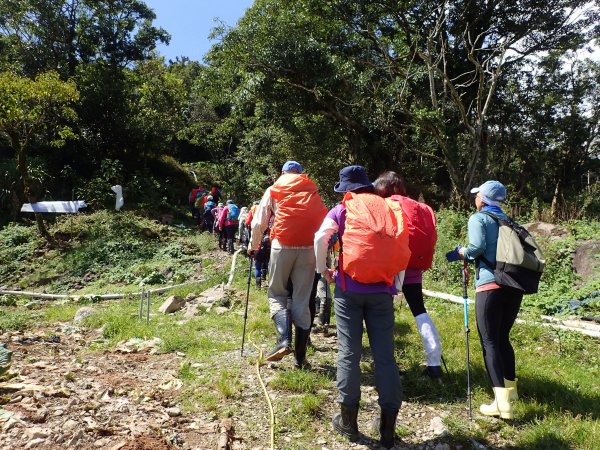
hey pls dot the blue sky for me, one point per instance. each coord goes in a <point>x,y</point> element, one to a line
<point>189,23</point>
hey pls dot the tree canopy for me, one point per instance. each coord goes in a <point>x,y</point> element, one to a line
<point>449,93</point>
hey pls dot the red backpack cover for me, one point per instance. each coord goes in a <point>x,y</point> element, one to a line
<point>375,241</point>
<point>420,221</point>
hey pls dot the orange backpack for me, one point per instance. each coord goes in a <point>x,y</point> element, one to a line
<point>420,222</point>
<point>375,242</point>
<point>300,210</point>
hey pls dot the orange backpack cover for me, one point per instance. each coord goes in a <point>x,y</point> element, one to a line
<point>375,241</point>
<point>420,222</point>
<point>300,210</point>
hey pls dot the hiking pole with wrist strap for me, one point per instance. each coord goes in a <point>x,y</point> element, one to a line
<point>246,310</point>
<point>465,281</point>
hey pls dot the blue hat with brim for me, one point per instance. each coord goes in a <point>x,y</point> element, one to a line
<point>352,178</point>
<point>292,166</point>
<point>492,192</point>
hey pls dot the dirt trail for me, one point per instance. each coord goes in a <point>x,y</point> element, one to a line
<point>68,396</point>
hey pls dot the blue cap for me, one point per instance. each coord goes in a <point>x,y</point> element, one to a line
<point>352,178</point>
<point>229,202</point>
<point>492,192</point>
<point>292,166</point>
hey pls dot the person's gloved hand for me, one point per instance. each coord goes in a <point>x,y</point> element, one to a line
<point>454,255</point>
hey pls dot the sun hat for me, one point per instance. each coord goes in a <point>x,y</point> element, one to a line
<point>292,166</point>
<point>352,178</point>
<point>492,192</point>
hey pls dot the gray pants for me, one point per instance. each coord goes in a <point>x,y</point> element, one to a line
<point>297,264</point>
<point>377,312</point>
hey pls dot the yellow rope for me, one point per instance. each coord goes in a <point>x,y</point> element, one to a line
<point>271,412</point>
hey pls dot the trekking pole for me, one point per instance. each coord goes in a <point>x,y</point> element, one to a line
<point>142,296</point>
<point>246,310</point>
<point>148,306</point>
<point>465,281</point>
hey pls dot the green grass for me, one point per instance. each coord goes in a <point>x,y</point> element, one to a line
<point>101,252</point>
<point>301,381</point>
<point>558,371</point>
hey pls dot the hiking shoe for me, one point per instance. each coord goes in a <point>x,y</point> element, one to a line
<point>281,349</point>
<point>321,330</point>
<point>345,422</point>
<point>302,339</point>
<point>385,427</point>
<point>283,325</point>
<point>434,372</point>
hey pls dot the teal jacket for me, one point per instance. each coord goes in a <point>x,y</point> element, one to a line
<point>483,239</point>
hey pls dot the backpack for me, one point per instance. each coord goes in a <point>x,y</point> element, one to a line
<point>519,259</point>
<point>374,246</point>
<point>420,221</point>
<point>208,207</point>
<point>264,251</point>
<point>233,212</point>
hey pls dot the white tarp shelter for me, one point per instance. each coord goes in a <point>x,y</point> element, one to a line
<point>54,207</point>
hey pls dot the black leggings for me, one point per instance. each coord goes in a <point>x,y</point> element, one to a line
<point>413,293</point>
<point>496,311</point>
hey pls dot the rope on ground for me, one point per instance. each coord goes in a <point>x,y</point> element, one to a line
<point>587,329</point>
<point>264,388</point>
<point>99,296</point>
<point>232,270</point>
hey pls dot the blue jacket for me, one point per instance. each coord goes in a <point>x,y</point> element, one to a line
<point>483,239</point>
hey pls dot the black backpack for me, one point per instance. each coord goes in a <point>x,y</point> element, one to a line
<point>264,251</point>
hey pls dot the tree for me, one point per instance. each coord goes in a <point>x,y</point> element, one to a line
<point>467,46</point>
<point>35,111</point>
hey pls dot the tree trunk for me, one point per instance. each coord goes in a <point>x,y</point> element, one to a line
<point>24,174</point>
<point>554,207</point>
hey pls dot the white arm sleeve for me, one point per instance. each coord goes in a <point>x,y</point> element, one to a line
<point>322,237</point>
<point>260,219</point>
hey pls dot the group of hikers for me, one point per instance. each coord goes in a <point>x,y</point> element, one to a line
<point>374,244</point>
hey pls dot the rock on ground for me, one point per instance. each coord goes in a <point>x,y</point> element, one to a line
<point>548,230</point>
<point>586,261</point>
<point>82,313</point>
<point>172,304</point>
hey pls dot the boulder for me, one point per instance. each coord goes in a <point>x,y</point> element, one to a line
<point>548,230</point>
<point>586,260</point>
<point>192,311</point>
<point>172,304</point>
<point>82,313</point>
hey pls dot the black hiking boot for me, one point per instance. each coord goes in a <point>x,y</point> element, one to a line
<point>258,283</point>
<point>283,325</point>
<point>435,373</point>
<point>385,427</point>
<point>345,422</point>
<point>302,337</point>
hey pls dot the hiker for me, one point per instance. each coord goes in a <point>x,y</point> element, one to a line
<point>242,237</point>
<point>298,211</point>
<point>368,275</point>
<point>216,212</point>
<point>261,260</point>
<point>422,236</point>
<point>248,221</point>
<point>323,295</point>
<point>496,307</point>
<point>208,218</point>
<point>228,224</point>
<point>194,194</point>
<point>216,193</point>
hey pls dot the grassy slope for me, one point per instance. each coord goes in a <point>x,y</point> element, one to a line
<point>558,371</point>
